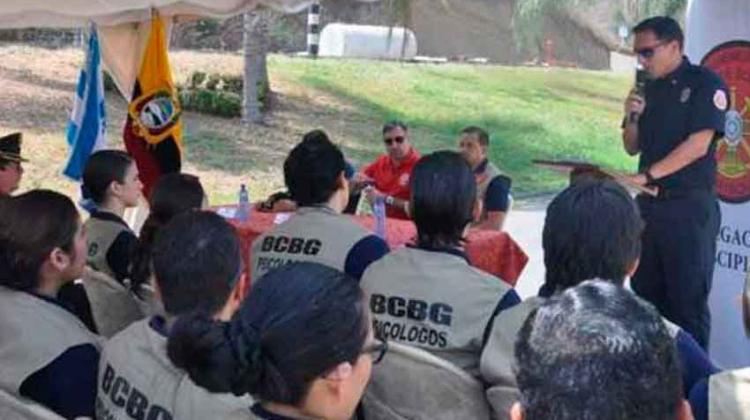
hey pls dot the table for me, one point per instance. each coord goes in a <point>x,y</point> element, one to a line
<point>492,251</point>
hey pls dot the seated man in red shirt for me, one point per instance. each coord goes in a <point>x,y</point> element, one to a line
<point>389,174</point>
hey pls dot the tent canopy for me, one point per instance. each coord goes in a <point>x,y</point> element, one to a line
<point>77,13</point>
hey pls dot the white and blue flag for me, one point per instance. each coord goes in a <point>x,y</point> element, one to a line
<point>87,128</point>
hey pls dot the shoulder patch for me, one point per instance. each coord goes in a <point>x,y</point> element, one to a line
<point>720,100</point>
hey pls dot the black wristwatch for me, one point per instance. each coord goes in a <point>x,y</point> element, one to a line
<point>650,180</point>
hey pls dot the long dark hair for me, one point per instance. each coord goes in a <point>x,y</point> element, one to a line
<point>102,169</point>
<point>592,230</point>
<point>173,194</point>
<point>32,225</point>
<point>298,322</point>
<point>443,195</point>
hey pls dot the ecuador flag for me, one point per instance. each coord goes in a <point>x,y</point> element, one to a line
<point>153,132</point>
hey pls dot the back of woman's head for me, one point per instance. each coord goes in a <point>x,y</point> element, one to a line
<point>102,169</point>
<point>298,323</point>
<point>312,169</point>
<point>173,194</point>
<point>592,230</point>
<point>197,262</point>
<point>32,225</point>
<point>443,196</point>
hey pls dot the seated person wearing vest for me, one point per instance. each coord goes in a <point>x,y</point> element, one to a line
<point>592,231</point>
<point>301,344</point>
<point>314,175</point>
<point>46,353</point>
<point>725,395</point>
<point>197,267</point>
<point>389,175</point>
<point>493,188</point>
<point>11,170</point>
<point>172,194</point>
<point>429,295</point>
<point>596,351</point>
<point>281,202</point>
<point>110,180</point>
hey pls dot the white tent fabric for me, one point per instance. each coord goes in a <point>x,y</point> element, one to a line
<point>77,13</point>
<point>122,51</point>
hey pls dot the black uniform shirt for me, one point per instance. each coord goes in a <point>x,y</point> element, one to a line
<point>690,99</point>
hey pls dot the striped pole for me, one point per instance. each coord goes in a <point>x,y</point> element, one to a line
<point>313,29</point>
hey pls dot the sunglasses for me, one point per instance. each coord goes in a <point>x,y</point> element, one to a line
<point>649,52</point>
<point>377,350</point>
<point>397,139</point>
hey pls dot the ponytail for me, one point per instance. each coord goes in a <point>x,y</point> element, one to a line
<point>203,348</point>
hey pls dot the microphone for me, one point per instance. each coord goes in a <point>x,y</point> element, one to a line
<point>641,77</point>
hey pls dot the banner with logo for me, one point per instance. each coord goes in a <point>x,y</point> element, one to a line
<point>718,36</point>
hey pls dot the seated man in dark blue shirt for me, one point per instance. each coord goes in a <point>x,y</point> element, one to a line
<point>493,188</point>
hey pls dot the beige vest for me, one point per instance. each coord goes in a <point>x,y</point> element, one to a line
<point>411,383</point>
<point>33,333</point>
<point>113,306</point>
<point>435,301</point>
<point>313,234</point>
<point>101,234</point>
<point>496,364</point>
<point>729,395</point>
<point>137,380</point>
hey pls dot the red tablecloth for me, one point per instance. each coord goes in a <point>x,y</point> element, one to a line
<point>494,252</point>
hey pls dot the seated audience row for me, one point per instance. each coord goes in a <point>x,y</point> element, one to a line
<point>302,343</point>
<point>591,231</point>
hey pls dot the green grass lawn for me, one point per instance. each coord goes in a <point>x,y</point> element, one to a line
<point>529,112</point>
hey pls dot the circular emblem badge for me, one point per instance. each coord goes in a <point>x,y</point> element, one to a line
<point>157,112</point>
<point>154,115</point>
<point>731,61</point>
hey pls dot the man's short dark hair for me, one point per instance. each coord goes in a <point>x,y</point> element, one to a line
<point>197,262</point>
<point>443,193</point>
<point>665,28</point>
<point>597,352</point>
<point>592,230</point>
<point>390,125</point>
<point>312,169</point>
<point>484,138</point>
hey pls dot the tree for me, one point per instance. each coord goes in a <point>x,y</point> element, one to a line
<point>256,84</point>
<point>528,16</point>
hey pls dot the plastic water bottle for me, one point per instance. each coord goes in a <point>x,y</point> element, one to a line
<point>243,206</point>
<point>378,209</point>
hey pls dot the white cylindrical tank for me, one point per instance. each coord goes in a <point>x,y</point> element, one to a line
<point>362,41</point>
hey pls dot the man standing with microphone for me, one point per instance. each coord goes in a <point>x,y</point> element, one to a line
<point>674,123</point>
